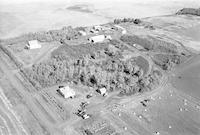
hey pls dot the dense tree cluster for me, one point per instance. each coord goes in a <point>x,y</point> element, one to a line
<point>67,51</point>
<point>66,33</point>
<point>189,11</point>
<point>100,69</point>
<point>150,43</point>
<point>124,20</point>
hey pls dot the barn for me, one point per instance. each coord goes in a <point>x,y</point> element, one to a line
<point>33,44</point>
<point>96,39</point>
<point>102,91</point>
<point>99,38</point>
<point>66,92</point>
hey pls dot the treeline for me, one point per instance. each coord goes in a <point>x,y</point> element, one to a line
<point>150,43</point>
<point>190,11</point>
<point>124,20</point>
<point>66,33</point>
<point>94,70</point>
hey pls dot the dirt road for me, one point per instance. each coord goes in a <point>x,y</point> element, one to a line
<point>27,98</point>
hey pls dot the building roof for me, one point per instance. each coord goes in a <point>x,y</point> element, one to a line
<point>67,92</point>
<point>83,33</point>
<point>32,42</point>
<point>98,38</point>
<point>102,90</point>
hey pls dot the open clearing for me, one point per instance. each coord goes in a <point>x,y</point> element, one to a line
<point>29,57</point>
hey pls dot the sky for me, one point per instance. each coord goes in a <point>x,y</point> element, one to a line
<point>31,1</point>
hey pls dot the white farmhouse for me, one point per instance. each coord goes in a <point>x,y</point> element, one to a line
<point>67,92</point>
<point>102,91</point>
<point>33,44</point>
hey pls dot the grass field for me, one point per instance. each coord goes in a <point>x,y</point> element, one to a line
<point>29,57</point>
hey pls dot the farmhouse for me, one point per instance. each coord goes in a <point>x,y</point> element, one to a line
<point>99,38</point>
<point>33,44</point>
<point>67,92</point>
<point>102,91</point>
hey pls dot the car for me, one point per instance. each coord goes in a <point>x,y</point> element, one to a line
<point>61,86</point>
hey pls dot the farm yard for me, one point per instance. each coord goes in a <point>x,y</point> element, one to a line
<point>111,79</point>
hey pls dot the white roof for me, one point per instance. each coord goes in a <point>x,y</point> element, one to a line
<point>82,32</point>
<point>98,38</point>
<point>67,92</point>
<point>32,42</point>
<point>98,27</point>
<point>102,90</point>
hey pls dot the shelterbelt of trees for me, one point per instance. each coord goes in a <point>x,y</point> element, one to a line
<point>60,35</point>
<point>189,11</point>
<point>103,68</point>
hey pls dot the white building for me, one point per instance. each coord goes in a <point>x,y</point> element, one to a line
<point>83,33</point>
<point>33,44</point>
<point>99,38</point>
<point>102,91</point>
<point>98,28</point>
<point>96,39</point>
<point>67,92</point>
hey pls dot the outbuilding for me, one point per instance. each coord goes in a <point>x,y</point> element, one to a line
<point>98,28</point>
<point>102,91</point>
<point>83,33</point>
<point>99,38</point>
<point>66,92</point>
<point>33,44</point>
